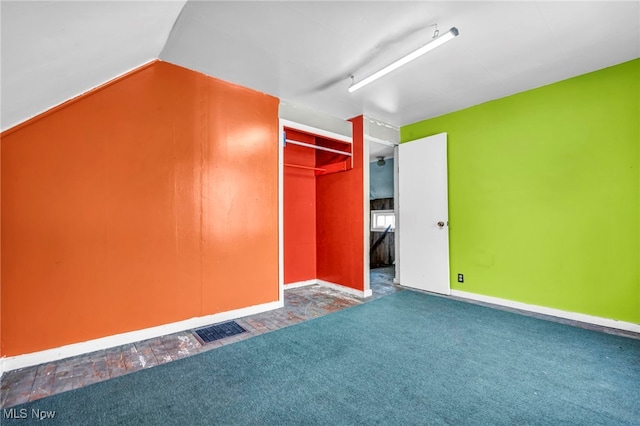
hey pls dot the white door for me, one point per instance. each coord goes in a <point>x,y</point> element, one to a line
<point>423,214</point>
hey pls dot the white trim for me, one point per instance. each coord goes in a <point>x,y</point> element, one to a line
<point>280,211</point>
<point>366,204</point>
<point>300,284</point>
<point>381,132</point>
<point>396,203</point>
<point>605,322</point>
<point>345,289</point>
<point>49,355</point>
<point>314,118</point>
<point>380,141</point>
<point>316,131</point>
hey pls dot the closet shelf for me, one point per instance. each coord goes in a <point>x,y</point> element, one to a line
<point>321,148</point>
<point>330,156</point>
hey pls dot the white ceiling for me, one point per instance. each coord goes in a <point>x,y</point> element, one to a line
<point>53,51</point>
<point>304,52</point>
<point>379,150</point>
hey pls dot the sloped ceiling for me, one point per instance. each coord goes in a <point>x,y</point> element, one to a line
<point>304,52</point>
<point>53,51</point>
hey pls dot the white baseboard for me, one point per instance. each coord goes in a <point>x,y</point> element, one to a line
<point>345,289</point>
<point>49,355</point>
<point>300,284</point>
<point>590,319</point>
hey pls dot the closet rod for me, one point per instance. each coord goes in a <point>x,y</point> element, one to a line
<point>322,148</point>
<point>305,167</point>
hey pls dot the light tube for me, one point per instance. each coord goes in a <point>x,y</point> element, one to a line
<point>453,32</point>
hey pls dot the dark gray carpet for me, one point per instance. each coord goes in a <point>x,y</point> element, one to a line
<point>407,358</point>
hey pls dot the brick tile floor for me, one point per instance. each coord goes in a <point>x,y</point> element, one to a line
<point>300,304</point>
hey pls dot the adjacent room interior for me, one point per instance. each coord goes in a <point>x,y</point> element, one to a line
<point>382,250</point>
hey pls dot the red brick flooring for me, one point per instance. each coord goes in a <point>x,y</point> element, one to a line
<point>301,304</point>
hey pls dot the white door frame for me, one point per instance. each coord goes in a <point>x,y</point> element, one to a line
<point>367,188</point>
<point>396,211</point>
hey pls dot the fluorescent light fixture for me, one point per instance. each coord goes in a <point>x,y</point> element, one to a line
<point>453,32</point>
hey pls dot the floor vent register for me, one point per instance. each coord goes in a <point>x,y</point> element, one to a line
<point>220,331</point>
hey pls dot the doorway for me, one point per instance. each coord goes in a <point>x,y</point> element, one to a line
<point>382,217</point>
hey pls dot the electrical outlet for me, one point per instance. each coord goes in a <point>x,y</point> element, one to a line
<point>460,278</point>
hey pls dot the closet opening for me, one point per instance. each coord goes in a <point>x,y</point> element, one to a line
<point>323,205</point>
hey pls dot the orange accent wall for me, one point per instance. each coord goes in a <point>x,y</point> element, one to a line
<point>148,201</point>
<point>299,205</point>
<point>340,220</point>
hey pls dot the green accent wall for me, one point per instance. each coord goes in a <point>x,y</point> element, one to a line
<point>544,194</point>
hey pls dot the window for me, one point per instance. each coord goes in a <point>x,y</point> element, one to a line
<point>381,219</point>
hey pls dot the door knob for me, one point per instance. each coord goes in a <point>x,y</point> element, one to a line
<point>440,224</point>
